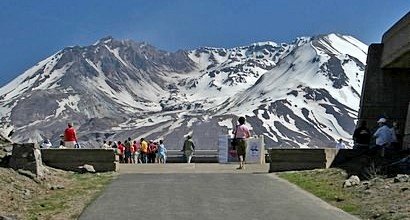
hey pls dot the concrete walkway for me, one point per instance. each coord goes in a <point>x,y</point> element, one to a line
<point>205,191</point>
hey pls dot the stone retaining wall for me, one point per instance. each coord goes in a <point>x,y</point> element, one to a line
<point>307,159</point>
<point>103,160</point>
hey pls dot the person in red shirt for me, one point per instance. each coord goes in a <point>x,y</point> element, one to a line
<point>121,151</point>
<point>152,151</point>
<point>70,136</point>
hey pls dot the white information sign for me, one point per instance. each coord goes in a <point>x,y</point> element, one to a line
<point>223,148</point>
<point>255,150</point>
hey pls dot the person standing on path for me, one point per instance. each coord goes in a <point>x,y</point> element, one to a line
<point>136,154</point>
<point>70,136</point>
<point>128,150</point>
<point>152,151</point>
<point>144,150</point>
<point>121,152</point>
<point>162,152</point>
<point>188,148</point>
<point>241,133</point>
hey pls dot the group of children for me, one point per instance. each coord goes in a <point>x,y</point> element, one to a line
<point>138,152</point>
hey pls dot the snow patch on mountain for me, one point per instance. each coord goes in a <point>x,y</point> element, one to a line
<point>70,102</point>
<point>24,82</point>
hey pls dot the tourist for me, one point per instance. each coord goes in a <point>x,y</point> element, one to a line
<point>188,148</point>
<point>135,155</point>
<point>241,133</point>
<point>340,144</point>
<point>361,136</point>
<point>61,145</point>
<point>112,144</point>
<point>120,152</point>
<point>70,137</point>
<point>152,151</point>
<point>127,151</point>
<point>144,150</point>
<point>46,144</point>
<point>162,152</point>
<point>396,137</point>
<point>105,145</point>
<point>383,136</point>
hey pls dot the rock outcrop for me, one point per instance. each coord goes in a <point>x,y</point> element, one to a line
<point>27,157</point>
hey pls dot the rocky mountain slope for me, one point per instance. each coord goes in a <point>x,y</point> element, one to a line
<point>300,94</point>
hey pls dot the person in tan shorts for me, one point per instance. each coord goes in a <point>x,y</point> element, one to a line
<point>70,136</point>
<point>241,133</point>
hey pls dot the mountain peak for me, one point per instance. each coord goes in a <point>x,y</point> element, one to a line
<point>117,87</point>
<point>104,40</point>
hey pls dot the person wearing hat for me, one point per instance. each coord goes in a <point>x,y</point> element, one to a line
<point>383,136</point>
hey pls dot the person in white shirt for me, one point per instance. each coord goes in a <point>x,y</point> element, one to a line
<point>46,144</point>
<point>340,144</point>
<point>105,145</point>
<point>383,136</point>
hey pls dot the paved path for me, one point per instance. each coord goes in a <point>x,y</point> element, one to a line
<point>205,191</point>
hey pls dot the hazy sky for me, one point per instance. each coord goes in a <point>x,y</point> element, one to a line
<point>33,30</point>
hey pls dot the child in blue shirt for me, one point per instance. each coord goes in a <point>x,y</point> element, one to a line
<point>162,152</point>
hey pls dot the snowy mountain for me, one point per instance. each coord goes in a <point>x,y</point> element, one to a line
<point>300,94</point>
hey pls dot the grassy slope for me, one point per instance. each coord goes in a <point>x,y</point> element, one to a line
<point>378,199</point>
<point>69,202</point>
<point>327,186</point>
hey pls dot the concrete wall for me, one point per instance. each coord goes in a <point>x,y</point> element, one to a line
<point>103,160</point>
<point>406,134</point>
<point>308,159</point>
<point>386,84</point>
<point>386,92</point>
<point>200,156</point>
<point>296,159</point>
<point>397,44</point>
